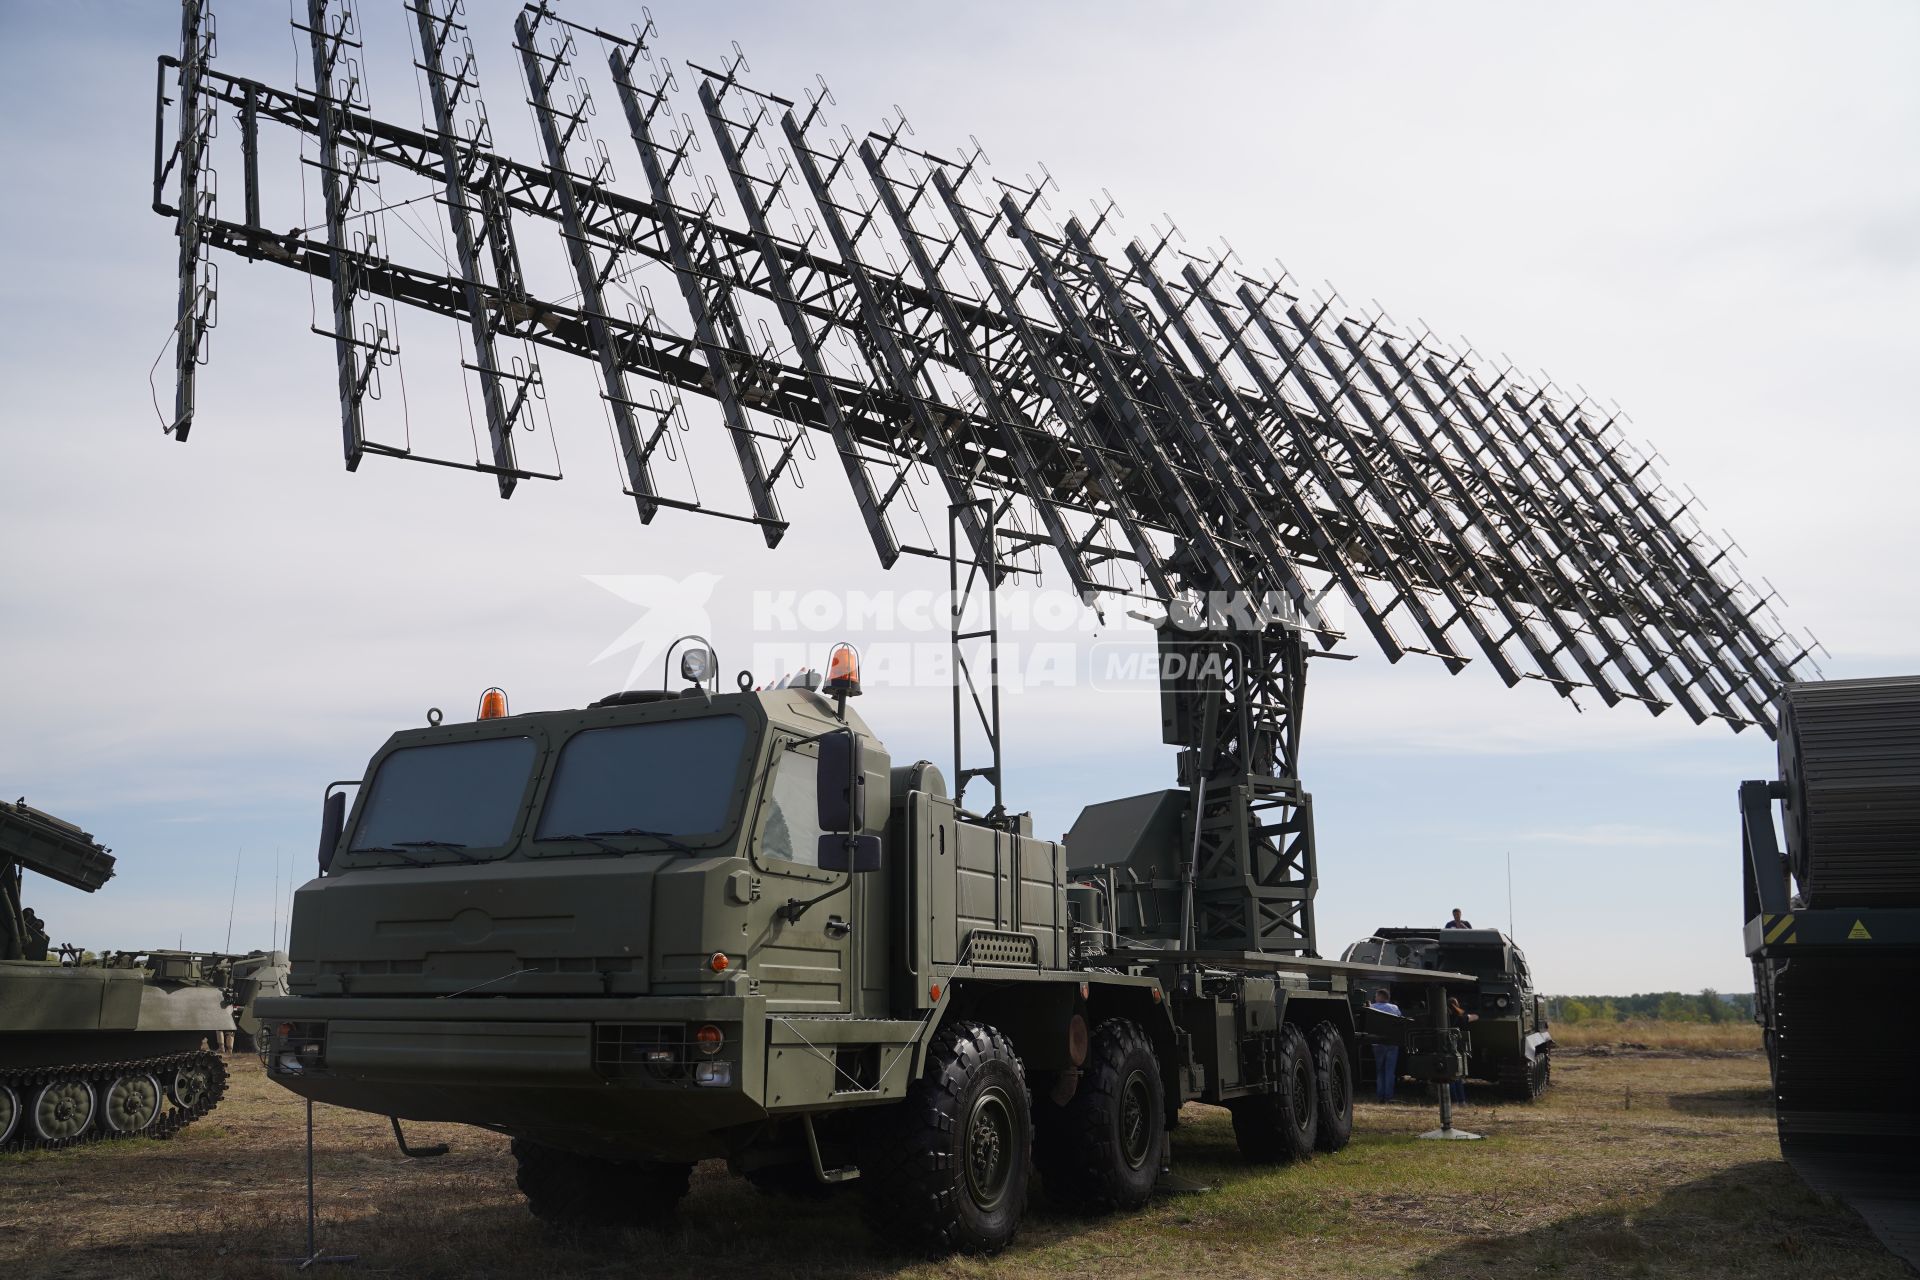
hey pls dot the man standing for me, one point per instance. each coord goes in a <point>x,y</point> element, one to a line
<point>1386,1057</point>
<point>1457,922</point>
<point>1461,1021</point>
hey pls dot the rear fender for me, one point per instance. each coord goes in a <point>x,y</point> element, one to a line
<point>1308,1014</point>
<point>1146,1008</point>
<point>1034,1015</point>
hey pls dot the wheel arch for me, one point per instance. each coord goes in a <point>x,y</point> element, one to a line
<point>1035,1015</point>
<point>1308,1011</point>
<point>1146,1007</point>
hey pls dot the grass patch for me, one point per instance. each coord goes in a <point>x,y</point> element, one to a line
<point>1664,1037</point>
<point>1634,1164</point>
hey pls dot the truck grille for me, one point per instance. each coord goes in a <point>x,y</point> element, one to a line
<point>643,1050</point>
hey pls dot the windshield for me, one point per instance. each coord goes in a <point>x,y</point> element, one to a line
<point>462,794</point>
<point>671,776</point>
<point>1481,962</point>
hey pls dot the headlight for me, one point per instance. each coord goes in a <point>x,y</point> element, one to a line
<point>300,1047</point>
<point>1500,1003</point>
<point>715,1074</point>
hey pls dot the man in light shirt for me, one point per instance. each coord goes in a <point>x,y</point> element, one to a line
<point>1386,1057</point>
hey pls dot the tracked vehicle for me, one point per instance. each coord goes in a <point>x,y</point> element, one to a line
<point>93,1049</point>
<point>1833,930</point>
<point>677,926</point>
<point>1508,1043</point>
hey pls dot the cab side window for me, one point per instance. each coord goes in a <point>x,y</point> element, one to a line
<point>792,832</point>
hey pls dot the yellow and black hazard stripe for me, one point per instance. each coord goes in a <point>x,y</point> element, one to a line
<point>1778,929</point>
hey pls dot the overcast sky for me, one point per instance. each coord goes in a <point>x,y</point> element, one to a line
<point>1707,212</point>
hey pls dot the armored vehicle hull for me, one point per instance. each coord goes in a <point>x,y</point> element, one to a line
<point>251,978</point>
<point>92,1050</point>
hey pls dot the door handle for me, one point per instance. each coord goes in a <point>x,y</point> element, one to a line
<point>838,928</point>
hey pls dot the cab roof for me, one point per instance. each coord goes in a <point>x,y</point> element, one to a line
<point>1449,937</point>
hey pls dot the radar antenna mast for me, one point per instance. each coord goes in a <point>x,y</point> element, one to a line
<point>1161,423</point>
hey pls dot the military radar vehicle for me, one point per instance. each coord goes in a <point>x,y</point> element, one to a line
<point>678,925</point>
<point>1833,930</point>
<point>93,1049</point>
<point>620,933</point>
<point>1508,1043</point>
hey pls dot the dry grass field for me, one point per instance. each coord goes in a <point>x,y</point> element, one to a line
<point>1641,1034</point>
<point>1638,1163</point>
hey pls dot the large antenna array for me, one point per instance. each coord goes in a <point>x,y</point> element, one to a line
<point>1166,423</point>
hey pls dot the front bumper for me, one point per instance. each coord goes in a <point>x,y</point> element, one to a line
<point>555,1070</point>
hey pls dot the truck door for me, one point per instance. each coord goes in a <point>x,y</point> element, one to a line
<point>802,964</point>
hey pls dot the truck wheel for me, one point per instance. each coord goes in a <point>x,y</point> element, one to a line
<point>1281,1126</point>
<point>1102,1150</point>
<point>1333,1069</point>
<point>946,1169</point>
<point>565,1189</point>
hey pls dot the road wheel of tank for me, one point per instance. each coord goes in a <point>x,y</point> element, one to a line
<point>132,1103</point>
<point>1101,1150</point>
<point>1281,1126</point>
<point>947,1169</point>
<point>9,1113</point>
<point>189,1085</point>
<point>62,1110</point>
<point>1333,1072</point>
<point>566,1189</point>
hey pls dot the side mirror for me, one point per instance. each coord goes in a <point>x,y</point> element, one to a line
<point>849,853</point>
<point>333,818</point>
<point>841,793</point>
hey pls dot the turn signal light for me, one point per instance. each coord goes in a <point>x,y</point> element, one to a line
<point>708,1039</point>
<point>493,704</point>
<point>719,962</point>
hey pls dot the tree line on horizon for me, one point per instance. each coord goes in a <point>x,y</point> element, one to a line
<point>1653,1006</point>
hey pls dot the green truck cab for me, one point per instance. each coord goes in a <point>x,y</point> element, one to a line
<point>683,925</point>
